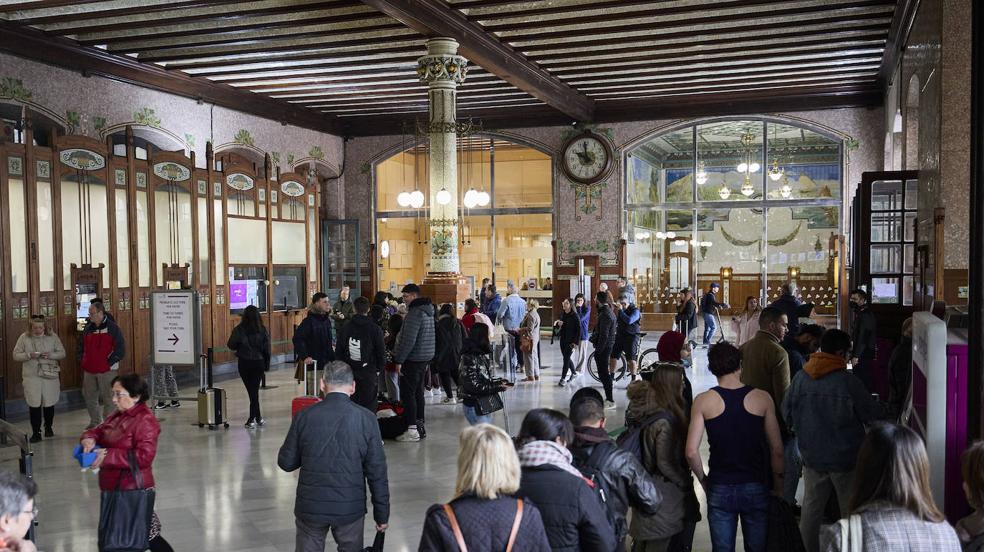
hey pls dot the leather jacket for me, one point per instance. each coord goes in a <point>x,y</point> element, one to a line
<point>475,371</point>
<point>628,482</point>
<point>135,429</point>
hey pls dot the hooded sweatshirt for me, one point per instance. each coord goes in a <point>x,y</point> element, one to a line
<point>828,408</point>
<point>360,343</point>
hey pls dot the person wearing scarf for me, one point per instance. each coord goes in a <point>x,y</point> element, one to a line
<point>573,512</point>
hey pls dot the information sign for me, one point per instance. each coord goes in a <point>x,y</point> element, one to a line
<point>175,327</point>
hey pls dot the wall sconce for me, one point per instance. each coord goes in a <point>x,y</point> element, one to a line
<point>726,273</point>
<point>793,272</point>
<point>384,249</point>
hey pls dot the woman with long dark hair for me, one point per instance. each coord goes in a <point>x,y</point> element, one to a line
<point>250,340</point>
<point>572,511</point>
<point>892,498</point>
<point>450,334</point>
<point>746,323</point>
<point>570,339</point>
<point>476,373</point>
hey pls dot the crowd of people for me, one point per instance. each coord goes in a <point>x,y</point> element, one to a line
<point>793,400</point>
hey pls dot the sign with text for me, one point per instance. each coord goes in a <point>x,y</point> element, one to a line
<point>174,334</point>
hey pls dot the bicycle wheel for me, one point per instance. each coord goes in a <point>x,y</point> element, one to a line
<point>622,370</point>
<point>648,358</point>
<point>592,367</point>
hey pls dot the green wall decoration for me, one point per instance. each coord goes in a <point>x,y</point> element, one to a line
<point>316,153</point>
<point>14,89</point>
<point>190,140</point>
<point>275,157</point>
<point>146,116</point>
<point>365,168</point>
<point>607,251</point>
<point>243,138</point>
<point>98,123</point>
<point>290,159</point>
<point>74,120</point>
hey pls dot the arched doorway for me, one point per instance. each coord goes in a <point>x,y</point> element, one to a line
<point>506,237</point>
<point>750,203</point>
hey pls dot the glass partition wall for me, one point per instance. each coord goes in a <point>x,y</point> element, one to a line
<point>748,203</point>
<point>505,194</point>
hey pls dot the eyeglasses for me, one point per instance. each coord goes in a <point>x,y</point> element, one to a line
<point>120,394</point>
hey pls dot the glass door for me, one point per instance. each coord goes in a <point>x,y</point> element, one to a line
<point>341,254</point>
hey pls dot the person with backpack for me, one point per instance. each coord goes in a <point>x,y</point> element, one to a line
<point>360,344</point>
<point>450,335</point>
<point>657,432</point>
<point>745,447</point>
<point>620,478</point>
<point>251,343</point>
<point>573,514</point>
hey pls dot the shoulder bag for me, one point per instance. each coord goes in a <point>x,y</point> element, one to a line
<point>48,369</point>
<point>852,538</point>
<point>125,516</point>
<point>460,539</point>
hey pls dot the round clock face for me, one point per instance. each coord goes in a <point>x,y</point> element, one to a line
<point>586,159</point>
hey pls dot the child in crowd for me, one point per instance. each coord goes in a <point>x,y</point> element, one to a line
<point>971,528</point>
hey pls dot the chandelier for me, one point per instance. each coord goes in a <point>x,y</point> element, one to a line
<point>701,173</point>
<point>775,171</point>
<point>785,190</point>
<point>748,166</point>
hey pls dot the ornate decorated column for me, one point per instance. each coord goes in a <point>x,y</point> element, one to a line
<point>443,70</point>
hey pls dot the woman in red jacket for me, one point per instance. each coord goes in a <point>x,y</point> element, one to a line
<point>131,428</point>
<point>468,320</point>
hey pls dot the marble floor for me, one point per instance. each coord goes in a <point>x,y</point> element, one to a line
<point>222,491</point>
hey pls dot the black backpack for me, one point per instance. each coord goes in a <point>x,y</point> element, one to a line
<point>591,468</point>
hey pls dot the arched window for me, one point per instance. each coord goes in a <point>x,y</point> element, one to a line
<point>749,203</point>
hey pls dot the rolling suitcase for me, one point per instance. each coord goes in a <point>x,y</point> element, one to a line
<point>211,400</point>
<point>307,399</point>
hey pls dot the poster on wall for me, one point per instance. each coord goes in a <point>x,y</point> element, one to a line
<point>243,293</point>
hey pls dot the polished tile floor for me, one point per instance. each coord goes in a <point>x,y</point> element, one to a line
<point>222,490</point>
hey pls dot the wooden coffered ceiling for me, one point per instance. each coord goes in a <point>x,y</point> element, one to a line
<point>348,66</point>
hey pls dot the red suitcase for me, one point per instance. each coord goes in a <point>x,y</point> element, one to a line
<point>307,399</point>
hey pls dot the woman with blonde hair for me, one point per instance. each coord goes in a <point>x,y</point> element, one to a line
<point>746,323</point>
<point>39,349</point>
<point>484,515</point>
<point>892,507</point>
<point>531,327</point>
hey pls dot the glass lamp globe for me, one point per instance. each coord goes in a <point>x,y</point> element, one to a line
<point>403,199</point>
<point>742,167</point>
<point>483,198</point>
<point>724,192</point>
<point>754,167</point>
<point>417,199</point>
<point>701,178</point>
<point>670,235</point>
<point>660,235</point>
<point>471,198</point>
<point>443,197</point>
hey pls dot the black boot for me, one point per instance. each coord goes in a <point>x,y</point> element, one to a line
<point>49,420</point>
<point>35,414</point>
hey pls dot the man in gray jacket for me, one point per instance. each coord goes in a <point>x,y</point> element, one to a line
<point>337,446</point>
<point>828,408</point>
<point>413,352</point>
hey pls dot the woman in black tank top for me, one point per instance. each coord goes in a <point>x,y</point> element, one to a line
<point>744,440</point>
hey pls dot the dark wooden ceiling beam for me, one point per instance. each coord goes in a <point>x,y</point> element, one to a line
<point>332,59</point>
<point>33,44</point>
<point>434,18</point>
<point>905,14</point>
<point>98,13</point>
<point>670,92</point>
<point>239,16</point>
<point>736,103</point>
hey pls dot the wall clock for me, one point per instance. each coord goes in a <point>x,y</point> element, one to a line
<point>587,158</point>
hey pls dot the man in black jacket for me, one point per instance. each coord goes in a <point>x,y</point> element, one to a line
<point>360,344</point>
<point>313,337</point>
<point>709,307</point>
<point>603,339</point>
<point>788,304</point>
<point>337,446</point>
<point>413,352</point>
<point>863,336</point>
<point>625,481</point>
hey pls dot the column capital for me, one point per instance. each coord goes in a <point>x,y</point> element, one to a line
<point>442,67</point>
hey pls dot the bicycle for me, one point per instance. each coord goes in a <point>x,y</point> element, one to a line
<point>645,359</point>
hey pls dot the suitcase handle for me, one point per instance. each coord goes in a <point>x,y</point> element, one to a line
<point>314,363</point>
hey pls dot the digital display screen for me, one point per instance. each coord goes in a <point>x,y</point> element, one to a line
<point>82,305</point>
<point>243,293</point>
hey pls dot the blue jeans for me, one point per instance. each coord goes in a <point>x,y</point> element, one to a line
<point>725,503</point>
<point>793,469</point>
<point>473,418</point>
<point>710,324</point>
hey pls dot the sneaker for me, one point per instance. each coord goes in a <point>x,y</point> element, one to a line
<point>420,429</point>
<point>36,438</point>
<point>48,432</point>
<point>562,382</point>
<point>448,400</point>
<point>251,425</point>
<point>410,436</point>
<point>175,404</point>
<point>160,405</point>
<point>609,405</point>
<point>261,422</point>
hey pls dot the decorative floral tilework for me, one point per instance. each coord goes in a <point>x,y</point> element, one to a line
<point>141,180</point>
<point>15,166</point>
<point>120,176</point>
<point>44,169</point>
<point>202,187</point>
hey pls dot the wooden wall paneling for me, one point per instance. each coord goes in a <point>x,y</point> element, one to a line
<point>111,301</point>
<point>135,312</point>
<point>6,313</point>
<point>141,296</point>
<point>152,218</point>
<point>212,306</point>
<point>266,186</point>
<point>31,218</point>
<point>201,220</point>
<point>64,323</point>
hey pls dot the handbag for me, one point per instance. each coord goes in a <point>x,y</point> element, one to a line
<point>377,543</point>
<point>487,404</point>
<point>125,516</point>
<point>852,539</point>
<point>460,539</point>
<point>48,371</point>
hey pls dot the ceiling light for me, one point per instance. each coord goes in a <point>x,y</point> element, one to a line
<point>443,197</point>
<point>897,123</point>
<point>403,199</point>
<point>660,236</point>
<point>471,198</point>
<point>754,167</point>
<point>416,199</point>
<point>724,192</point>
<point>742,167</point>
<point>747,189</point>
<point>483,198</point>
<point>775,172</point>
<point>670,235</point>
<point>785,190</point>
<point>680,242</point>
<point>701,173</point>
